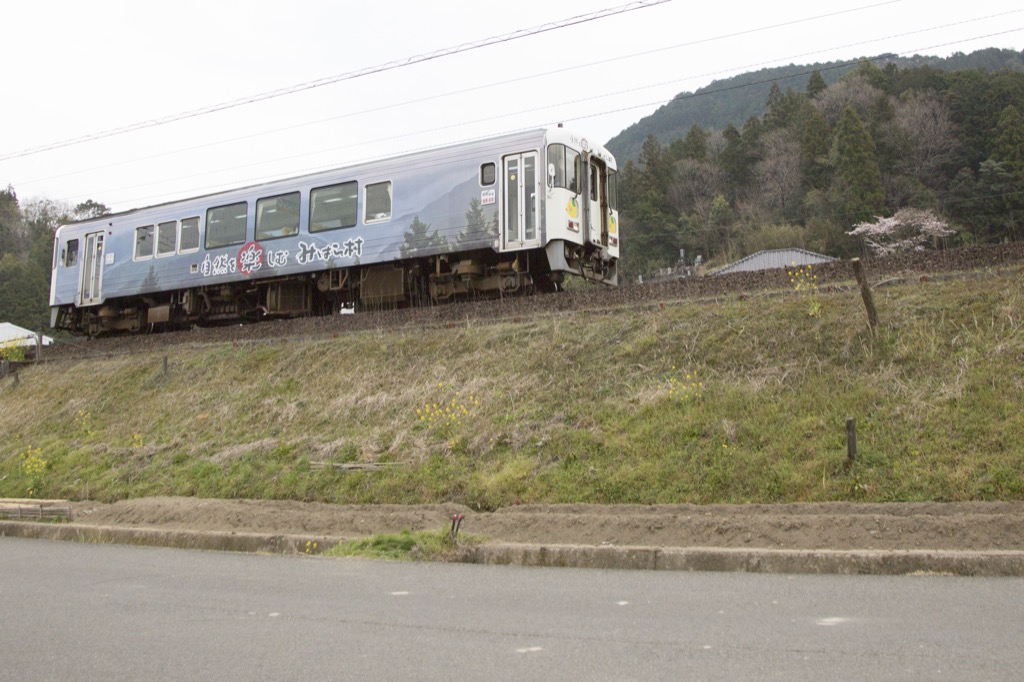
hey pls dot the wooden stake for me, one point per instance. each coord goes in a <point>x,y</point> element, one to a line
<point>851,440</point>
<point>865,293</point>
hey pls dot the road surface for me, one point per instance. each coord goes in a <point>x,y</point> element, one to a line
<point>110,612</point>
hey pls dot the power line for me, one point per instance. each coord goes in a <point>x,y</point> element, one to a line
<point>661,102</point>
<point>320,82</point>
<point>509,81</point>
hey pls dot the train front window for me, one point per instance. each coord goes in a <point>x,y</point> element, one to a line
<point>71,258</point>
<point>143,242</point>
<point>572,170</point>
<point>225,225</point>
<point>277,216</point>
<point>613,190</point>
<point>556,165</point>
<point>565,161</point>
<point>333,207</point>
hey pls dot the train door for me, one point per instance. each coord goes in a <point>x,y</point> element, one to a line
<point>521,188</point>
<point>597,215</point>
<point>92,270</point>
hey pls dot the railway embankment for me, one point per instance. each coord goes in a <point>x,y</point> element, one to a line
<point>661,395</point>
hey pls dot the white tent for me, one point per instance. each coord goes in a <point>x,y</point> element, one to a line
<point>23,337</point>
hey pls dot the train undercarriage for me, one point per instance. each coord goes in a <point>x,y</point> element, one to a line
<point>412,282</point>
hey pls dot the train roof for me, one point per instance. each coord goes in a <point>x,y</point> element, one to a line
<point>556,134</point>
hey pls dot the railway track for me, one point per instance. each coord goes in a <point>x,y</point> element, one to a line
<point>628,297</point>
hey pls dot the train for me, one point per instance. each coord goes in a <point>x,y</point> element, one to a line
<point>506,215</point>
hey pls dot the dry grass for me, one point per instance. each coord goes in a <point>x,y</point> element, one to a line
<point>572,407</point>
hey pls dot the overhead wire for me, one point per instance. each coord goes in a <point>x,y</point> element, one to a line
<point>350,75</point>
<point>703,92</point>
<point>660,102</point>
<point>509,81</point>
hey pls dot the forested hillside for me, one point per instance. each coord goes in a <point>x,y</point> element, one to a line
<point>824,158</point>
<point>735,100</point>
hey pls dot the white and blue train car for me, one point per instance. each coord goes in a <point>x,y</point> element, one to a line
<point>502,215</point>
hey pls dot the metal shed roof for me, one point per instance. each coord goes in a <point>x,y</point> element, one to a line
<point>12,332</point>
<point>775,258</point>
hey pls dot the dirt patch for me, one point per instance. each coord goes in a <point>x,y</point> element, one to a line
<point>839,526</point>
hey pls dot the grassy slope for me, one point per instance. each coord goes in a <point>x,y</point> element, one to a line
<point>589,407</point>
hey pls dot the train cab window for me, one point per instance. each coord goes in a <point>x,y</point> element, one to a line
<point>166,238</point>
<point>144,242</point>
<point>572,170</point>
<point>613,190</point>
<point>488,174</point>
<point>566,165</point>
<point>556,165</point>
<point>277,216</point>
<point>225,225</point>
<point>188,241</point>
<point>378,202</point>
<point>71,255</point>
<point>333,207</point>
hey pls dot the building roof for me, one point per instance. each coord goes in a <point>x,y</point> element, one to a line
<point>12,332</point>
<point>775,258</point>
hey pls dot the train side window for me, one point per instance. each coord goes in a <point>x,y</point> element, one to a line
<point>144,242</point>
<point>488,174</point>
<point>225,225</point>
<point>189,239</point>
<point>71,256</point>
<point>166,238</point>
<point>378,202</point>
<point>277,216</point>
<point>333,207</point>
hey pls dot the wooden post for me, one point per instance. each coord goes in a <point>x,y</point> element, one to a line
<point>865,293</point>
<point>851,440</point>
<point>165,364</point>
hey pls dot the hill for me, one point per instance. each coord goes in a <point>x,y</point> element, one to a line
<point>735,100</point>
<point>735,398</point>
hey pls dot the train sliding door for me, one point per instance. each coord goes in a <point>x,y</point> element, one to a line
<point>89,292</point>
<point>521,188</point>
<point>598,213</point>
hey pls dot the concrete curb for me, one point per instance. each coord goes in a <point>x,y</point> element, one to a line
<point>157,537</point>
<point>863,561</point>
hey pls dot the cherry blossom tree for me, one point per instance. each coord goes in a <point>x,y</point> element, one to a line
<point>910,229</point>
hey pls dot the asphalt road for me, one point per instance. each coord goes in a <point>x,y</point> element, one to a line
<point>110,612</point>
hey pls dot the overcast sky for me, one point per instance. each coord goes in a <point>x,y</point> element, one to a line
<point>74,69</point>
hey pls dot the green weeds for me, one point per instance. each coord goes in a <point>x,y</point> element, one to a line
<point>404,546</point>
<point>559,409</point>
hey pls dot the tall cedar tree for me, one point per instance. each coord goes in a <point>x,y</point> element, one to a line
<point>857,186</point>
<point>652,240</point>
